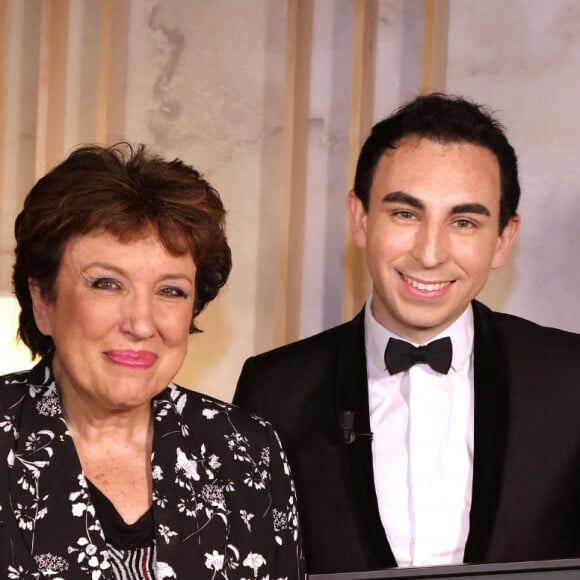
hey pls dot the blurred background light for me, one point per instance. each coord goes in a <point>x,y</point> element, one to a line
<point>14,355</point>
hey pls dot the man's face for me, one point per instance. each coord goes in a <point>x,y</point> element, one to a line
<point>431,233</point>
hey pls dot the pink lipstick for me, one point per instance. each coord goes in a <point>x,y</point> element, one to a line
<point>133,359</point>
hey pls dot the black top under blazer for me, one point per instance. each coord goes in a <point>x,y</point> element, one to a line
<point>526,473</point>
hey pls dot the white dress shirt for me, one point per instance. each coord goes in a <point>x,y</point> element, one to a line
<point>422,424</point>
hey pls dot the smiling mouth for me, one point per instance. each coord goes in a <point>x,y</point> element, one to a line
<point>425,287</point>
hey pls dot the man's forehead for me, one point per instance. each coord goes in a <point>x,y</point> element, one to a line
<point>410,145</point>
<point>410,149</point>
<point>428,170</point>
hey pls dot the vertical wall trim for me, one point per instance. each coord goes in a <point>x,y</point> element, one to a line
<point>356,283</point>
<point>51,84</point>
<point>6,225</point>
<point>435,29</point>
<point>293,171</point>
<point>112,68</point>
<point>4,36</point>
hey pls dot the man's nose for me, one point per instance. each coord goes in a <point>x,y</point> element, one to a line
<point>431,245</point>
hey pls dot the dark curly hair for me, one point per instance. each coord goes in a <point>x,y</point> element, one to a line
<point>123,190</point>
<point>446,119</point>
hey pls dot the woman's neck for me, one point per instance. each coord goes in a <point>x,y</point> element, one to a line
<point>114,450</point>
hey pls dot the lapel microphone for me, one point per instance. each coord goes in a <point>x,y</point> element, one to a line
<point>346,424</point>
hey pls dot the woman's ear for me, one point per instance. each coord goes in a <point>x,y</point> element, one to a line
<point>41,308</point>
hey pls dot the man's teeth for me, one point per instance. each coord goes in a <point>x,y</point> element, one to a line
<point>425,287</point>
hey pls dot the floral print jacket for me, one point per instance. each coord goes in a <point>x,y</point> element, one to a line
<point>224,504</point>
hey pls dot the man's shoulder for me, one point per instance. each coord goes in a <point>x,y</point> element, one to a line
<point>318,346</point>
<point>521,333</point>
<point>300,371</point>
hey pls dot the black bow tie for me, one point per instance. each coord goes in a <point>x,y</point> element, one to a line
<point>401,356</point>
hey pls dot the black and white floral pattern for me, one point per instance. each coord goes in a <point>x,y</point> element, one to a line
<point>223,501</point>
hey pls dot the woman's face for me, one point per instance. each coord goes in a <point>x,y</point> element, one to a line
<point>119,320</point>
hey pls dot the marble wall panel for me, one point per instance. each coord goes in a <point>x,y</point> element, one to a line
<point>399,45</point>
<point>397,78</point>
<point>205,83</point>
<point>17,172</point>
<point>326,185</point>
<point>523,60</point>
<point>80,120</point>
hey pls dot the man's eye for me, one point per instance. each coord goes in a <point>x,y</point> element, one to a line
<point>464,224</point>
<point>404,214</point>
<point>105,284</point>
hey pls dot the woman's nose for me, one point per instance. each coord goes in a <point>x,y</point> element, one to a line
<point>139,317</point>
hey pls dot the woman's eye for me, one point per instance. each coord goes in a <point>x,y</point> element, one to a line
<point>105,284</point>
<point>173,292</point>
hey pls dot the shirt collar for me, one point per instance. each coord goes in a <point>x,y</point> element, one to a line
<point>461,333</point>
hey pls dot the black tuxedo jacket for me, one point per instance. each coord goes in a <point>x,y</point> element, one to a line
<point>526,472</point>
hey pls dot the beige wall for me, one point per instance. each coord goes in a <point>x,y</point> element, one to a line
<point>270,99</point>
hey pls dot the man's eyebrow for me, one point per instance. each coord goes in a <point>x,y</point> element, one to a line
<point>402,197</point>
<point>471,208</point>
<point>411,200</point>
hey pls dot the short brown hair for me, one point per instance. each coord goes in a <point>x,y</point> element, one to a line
<point>123,190</point>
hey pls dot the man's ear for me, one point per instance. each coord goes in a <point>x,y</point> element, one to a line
<point>357,216</point>
<point>41,308</point>
<point>505,242</point>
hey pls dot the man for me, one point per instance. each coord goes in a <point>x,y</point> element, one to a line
<point>466,450</point>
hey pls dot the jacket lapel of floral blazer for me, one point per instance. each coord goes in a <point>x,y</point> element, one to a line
<point>190,511</point>
<point>176,473</point>
<point>54,514</point>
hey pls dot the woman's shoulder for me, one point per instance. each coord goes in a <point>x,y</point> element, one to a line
<point>202,428</point>
<point>203,410</point>
<point>39,375</point>
<point>16,385</point>
<point>15,378</point>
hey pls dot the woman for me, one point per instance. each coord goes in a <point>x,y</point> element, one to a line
<point>108,469</point>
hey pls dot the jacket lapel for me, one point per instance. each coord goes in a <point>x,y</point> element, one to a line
<point>352,395</point>
<point>490,431</point>
<point>184,527</point>
<point>55,515</point>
